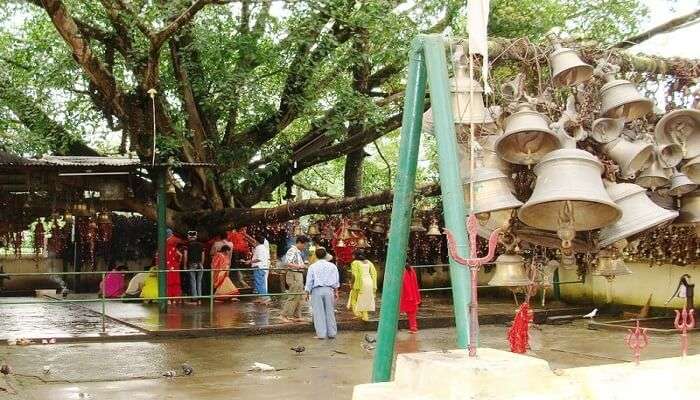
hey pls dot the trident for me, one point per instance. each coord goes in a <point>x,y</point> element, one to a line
<point>637,340</point>
<point>474,264</point>
<point>684,320</point>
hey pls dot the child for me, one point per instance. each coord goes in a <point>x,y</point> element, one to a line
<point>410,298</point>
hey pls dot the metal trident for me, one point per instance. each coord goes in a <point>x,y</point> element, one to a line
<point>474,264</point>
<point>636,340</point>
<point>684,320</point>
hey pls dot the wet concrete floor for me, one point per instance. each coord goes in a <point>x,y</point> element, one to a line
<point>327,369</point>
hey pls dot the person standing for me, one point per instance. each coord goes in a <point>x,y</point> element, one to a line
<point>410,298</point>
<point>363,286</point>
<point>322,282</point>
<point>261,264</point>
<point>295,280</point>
<point>224,289</point>
<point>173,262</point>
<point>194,261</point>
<point>240,245</point>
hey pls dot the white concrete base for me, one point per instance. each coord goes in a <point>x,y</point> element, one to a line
<point>501,375</point>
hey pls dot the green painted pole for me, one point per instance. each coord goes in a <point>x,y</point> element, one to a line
<point>160,210</point>
<point>412,123</point>
<point>450,179</point>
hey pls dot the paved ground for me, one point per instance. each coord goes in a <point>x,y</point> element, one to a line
<point>328,369</point>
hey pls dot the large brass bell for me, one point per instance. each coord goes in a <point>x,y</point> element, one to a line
<point>509,271</point>
<point>630,156</point>
<point>654,176</point>
<point>681,127</point>
<point>527,137</point>
<point>491,192</point>
<point>680,184</point>
<point>690,209</point>
<point>639,213</point>
<point>569,176</point>
<point>567,68</point>
<point>692,169</point>
<point>605,130</point>
<point>620,99</point>
<point>609,266</point>
<point>467,99</point>
<point>669,154</point>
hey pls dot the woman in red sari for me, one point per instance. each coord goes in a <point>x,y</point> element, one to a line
<point>224,289</point>
<point>173,262</point>
<point>410,298</point>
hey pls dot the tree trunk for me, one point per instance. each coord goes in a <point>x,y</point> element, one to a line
<point>353,173</point>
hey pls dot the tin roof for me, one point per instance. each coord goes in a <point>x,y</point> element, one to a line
<point>9,160</point>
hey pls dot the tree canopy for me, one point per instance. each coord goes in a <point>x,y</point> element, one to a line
<point>274,93</point>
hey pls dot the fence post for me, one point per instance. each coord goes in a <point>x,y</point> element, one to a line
<point>160,210</point>
<point>104,275</point>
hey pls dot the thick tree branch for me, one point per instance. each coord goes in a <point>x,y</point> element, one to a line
<point>663,28</point>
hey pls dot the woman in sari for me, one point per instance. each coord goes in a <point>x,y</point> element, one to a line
<point>173,262</point>
<point>113,283</point>
<point>224,289</point>
<point>150,286</point>
<point>364,284</point>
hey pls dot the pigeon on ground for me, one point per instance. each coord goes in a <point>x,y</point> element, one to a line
<point>261,367</point>
<point>591,314</point>
<point>370,339</point>
<point>169,374</point>
<point>298,349</point>
<point>187,369</point>
<point>367,347</point>
<point>5,369</point>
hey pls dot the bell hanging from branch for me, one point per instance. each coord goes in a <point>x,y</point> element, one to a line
<point>467,99</point>
<point>680,184</point>
<point>567,67</point>
<point>609,266</point>
<point>509,271</point>
<point>689,213</point>
<point>629,156</point>
<point>619,97</point>
<point>605,130</point>
<point>434,229</point>
<point>492,195</point>
<point>313,230</point>
<point>654,176</point>
<point>669,155</point>
<point>683,128</point>
<point>417,225</point>
<point>527,137</point>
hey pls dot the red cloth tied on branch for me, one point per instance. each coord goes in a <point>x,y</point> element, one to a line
<point>519,333</point>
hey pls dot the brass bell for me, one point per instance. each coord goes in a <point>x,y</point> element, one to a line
<point>605,130</point>
<point>362,244</point>
<point>620,99</point>
<point>354,227</point>
<point>527,137</point>
<point>669,154</point>
<point>378,228</point>
<point>345,233</point>
<point>467,99</point>
<point>608,266</point>
<point>654,176</point>
<point>692,169</point>
<point>662,199</point>
<point>340,243</point>
<point>630,156</point>
<point>569,176</point>
<point>690,209</point>
<point>485,156</point>
<point>509,271</point>
<point>434,229</point>
<point>567,68</point>
<point>417,225</point>
<point>681,127</point>
<point>639,213</point>
<point>491,192</point>
<point>681,184</point>
<point>313,230</point>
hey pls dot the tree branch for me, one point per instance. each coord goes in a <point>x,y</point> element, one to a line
<point>663,28</point>
<point>319,193</point>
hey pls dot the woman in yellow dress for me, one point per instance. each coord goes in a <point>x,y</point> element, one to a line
<point>224,289</point>
<point>364,284</point>
<point>150,286</point>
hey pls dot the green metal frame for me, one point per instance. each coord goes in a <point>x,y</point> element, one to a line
<point>162,228</point>
<point>427,62</point>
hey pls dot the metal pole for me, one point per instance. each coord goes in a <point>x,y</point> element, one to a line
<point>400,214</point>
<point>160,200</point>
<point>555,285</point>
<point>450,180</point>
<point>103,302</point>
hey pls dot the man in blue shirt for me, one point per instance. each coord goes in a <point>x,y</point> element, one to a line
<point>322,282</point>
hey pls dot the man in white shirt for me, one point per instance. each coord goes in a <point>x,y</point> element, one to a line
<point>295,280</point>
<point>261,264</point>
<point>322,282</point>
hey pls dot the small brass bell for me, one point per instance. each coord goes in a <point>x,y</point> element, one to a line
<point>639,213</point>
<point>491,192</point>
<point>681,127</point>
<point>527,137</point>
<point>630,156</point>
<point>434,229</point>
<point>670,154</point>
<point>378,228</point>
<point>620,99</point>
<point>485,156</point>
<point>605,130</point>
<point>417,225</point>
<point>567,67</point>
<point>467,99</point>
<point>509,271</point>
<point>680,184</point>
<point>569,176</point>
<point>354,227</point>
<point>689,213</point>
<point>610,267</point>
<point>345,233</point>
<point>313,230</point>
<point>692,169</point>
<point>340,243</point>
<point>654,176</point>
<point>362,243</point>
